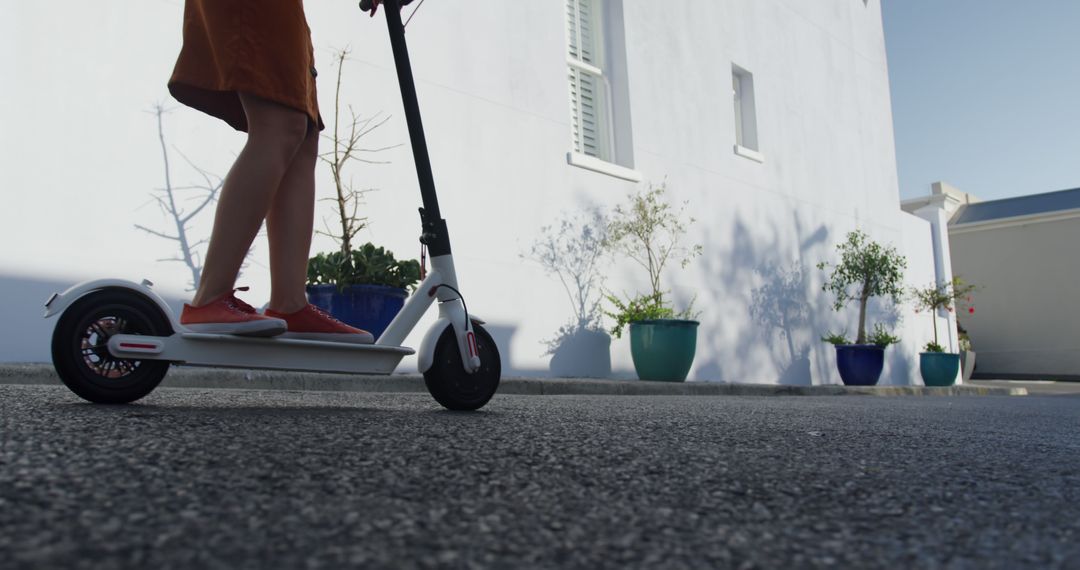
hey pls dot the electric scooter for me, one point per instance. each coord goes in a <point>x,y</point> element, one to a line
<point>115,339</point>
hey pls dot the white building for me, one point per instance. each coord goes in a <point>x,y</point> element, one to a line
<point>771,118</point>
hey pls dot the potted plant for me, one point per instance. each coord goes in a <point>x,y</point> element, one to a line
<point>938,367</point>
<point>647,230</point>
<point>866,269</point>
<point>366,286</point>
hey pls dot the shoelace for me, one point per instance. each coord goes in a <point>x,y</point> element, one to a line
<point>325,315</point>
<point>235,303</point>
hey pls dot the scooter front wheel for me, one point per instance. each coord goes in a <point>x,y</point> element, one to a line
<point>447,380</point>
<point>80,350</point>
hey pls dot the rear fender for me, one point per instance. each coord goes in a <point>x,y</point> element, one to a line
<point>58,302</point>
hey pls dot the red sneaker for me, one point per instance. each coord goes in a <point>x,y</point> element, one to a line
<point>229,315</point>
<point>311,323</point>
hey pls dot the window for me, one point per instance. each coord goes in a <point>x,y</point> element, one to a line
<point>599,94</point>
<point>746,136</point>
<point>588,86</point>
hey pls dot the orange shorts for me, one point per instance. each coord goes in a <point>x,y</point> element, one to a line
<point>261,47</point>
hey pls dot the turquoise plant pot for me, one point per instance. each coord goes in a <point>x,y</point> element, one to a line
<point>939,368</point>
<point>663,349</point>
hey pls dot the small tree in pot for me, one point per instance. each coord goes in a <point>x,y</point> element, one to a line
<point>362,286</point>
<point>938,367</point>
<point>866,269</point>
<point>648,231</point>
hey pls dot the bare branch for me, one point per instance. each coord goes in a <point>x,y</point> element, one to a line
<point>157,233</point>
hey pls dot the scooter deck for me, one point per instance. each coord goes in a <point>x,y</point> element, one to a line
<point>231,351</point>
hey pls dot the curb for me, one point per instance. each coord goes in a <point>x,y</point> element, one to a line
<point>235,379</point>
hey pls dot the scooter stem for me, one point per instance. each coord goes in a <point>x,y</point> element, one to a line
<point>434,227</point>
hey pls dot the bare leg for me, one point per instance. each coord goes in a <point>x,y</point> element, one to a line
<point>289,226</point>
<point>275,133</point>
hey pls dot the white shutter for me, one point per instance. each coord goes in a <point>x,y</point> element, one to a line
<point>590,113</point>
<point>587,85</point>
<point>572,27</point>
<point>736,88</point>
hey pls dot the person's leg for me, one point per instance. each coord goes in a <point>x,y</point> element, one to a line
<point>275,133</point>
<point>289,226</point>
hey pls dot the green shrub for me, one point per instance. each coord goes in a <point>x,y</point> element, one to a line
<point>368,265</point>
<point>833,338</point>
<point>881,337</point>
<point>641,308</point>
<point>648,230</point>
<point>866,269</point>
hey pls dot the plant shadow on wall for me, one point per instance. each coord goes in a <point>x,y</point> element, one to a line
<point>572,250</point>
<point>780,306</point>
<point>172,200</point>
<point>766,313</point>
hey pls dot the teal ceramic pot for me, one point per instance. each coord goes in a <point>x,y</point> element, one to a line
<point>939,368</point>
<point>663,349</point>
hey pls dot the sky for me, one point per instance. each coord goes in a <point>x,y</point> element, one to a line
<point>985,94</point>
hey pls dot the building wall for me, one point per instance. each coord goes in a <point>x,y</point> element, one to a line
<point>492,85</point>
<point>1023,323</point>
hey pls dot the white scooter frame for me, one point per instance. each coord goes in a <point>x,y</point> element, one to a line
<point>114,339</point>
<point>232,351</point>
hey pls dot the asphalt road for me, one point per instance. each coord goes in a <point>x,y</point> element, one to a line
<point>247,479</point>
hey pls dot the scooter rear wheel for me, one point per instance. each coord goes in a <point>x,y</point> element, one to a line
<point>80,346</point>
<point>447,380</point>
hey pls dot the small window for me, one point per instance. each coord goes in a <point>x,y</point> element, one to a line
<point>742,86</point>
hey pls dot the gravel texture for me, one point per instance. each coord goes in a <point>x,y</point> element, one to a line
<point>192,478</point>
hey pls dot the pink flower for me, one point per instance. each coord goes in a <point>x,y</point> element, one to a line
<point>971,310</point>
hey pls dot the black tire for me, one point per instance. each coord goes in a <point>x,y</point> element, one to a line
<point>79,346</point>
<point>447,380</point>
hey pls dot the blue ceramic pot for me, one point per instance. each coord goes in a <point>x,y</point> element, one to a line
<point>367,307</point>
<point>860,364</point>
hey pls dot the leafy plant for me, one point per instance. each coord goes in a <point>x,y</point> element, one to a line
<point>933,347</point>
<point>938,296</point>
<point>963,339</point>
<point>866,269</point>
<point>833,338</point>
<point>368,265</point>
<point>881,337</point>
<point>641,308</point>
<point>648,231</point>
